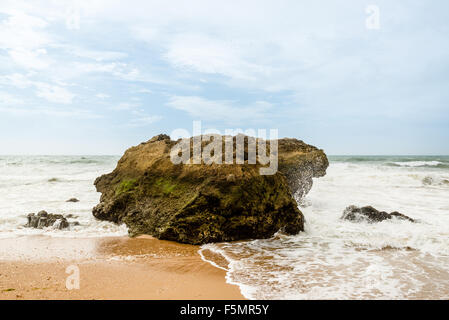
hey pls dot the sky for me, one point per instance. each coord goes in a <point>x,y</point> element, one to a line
<point>348,76</point>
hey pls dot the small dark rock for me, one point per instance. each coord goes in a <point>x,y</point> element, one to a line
<point>43,222</point>
<point>160,137</point>
<point>33,221</point>
<point>428,181</point>
<point>42,213</point>
<point>61,224</point>
<point>44,219</point>
<point>371,215</point>
<point>73,200</point>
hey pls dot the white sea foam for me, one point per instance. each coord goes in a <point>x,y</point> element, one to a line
<point>336,259</point>
<point>31,184</point>
<point>331,259</point>
<point>418,163</point>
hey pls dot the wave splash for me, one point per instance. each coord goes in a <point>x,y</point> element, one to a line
<point>337,259</point>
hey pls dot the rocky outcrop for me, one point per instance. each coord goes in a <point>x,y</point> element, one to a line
<point>44,220</point>
<point>435,181</point>
<point>371,215</point>
<point>200,203</point>
<point>73,200</point>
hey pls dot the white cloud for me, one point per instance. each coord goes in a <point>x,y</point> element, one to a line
<point>16,79</point>
<point>144,90</point>
<point>102,96</point>
<point>85,67</point>
<point>7,99</point>
<point>24,38</point>
<point>205,54</point>
<point>316,63</point>
<point>147,34</point>
<point>97,55</point>
<point>23,31</point>
<point>224,110</point>
<point>53,93</point>
<point>124,106</point>
<point>31,59</point>
<point>118,70</point>
<point>144,121</point>
<point>50,92</point>
<point>73,18</point>
<point>47,111</point>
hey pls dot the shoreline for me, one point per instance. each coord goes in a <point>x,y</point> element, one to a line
<point>37,267</point>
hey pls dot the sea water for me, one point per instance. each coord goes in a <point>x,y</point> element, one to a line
<point>338,259</point>
<point>29,184</point>
<point>331,259</point>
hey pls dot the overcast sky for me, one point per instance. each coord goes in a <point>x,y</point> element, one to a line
<point>98,76</point>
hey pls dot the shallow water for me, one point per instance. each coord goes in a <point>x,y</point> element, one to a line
<point>332,259</point>
<point>336,259</point>
<point>33,183</point>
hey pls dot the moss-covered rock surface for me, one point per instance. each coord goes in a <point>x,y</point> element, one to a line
<point>200,203</point>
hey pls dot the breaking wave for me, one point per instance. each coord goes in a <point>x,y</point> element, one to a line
<point>37,183</point>
<point>337,259</point>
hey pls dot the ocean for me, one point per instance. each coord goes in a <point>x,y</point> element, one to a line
<point>29,184</point>
<point>331,259</point>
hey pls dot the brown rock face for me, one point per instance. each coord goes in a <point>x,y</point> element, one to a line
<point>200,203</point>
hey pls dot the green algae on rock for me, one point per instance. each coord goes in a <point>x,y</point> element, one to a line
<point>201,203</point>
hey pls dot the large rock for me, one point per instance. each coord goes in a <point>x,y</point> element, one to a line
<point>207,203</point>
<point>371,215</point>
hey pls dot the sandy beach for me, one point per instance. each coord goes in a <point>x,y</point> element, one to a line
<point>37,267</point>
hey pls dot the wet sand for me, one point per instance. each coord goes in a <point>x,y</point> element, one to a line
<point>37,267</point>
